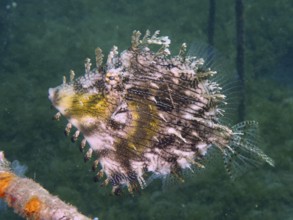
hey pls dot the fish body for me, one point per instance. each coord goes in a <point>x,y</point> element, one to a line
<point>149,113</point>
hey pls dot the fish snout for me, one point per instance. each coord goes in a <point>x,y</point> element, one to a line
<point>52,94</point>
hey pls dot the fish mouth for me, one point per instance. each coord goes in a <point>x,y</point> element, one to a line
<point>52,94</point>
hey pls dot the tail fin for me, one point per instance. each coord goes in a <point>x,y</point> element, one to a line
<point>242,152</point>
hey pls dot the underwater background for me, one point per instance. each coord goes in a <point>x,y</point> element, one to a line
<point>42,40</point>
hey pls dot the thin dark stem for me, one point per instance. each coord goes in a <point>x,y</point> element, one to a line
<point>239,14</point>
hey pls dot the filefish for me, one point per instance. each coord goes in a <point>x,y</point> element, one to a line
<point>147,114</point>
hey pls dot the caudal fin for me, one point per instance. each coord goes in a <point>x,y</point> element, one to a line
<point>242,152</point>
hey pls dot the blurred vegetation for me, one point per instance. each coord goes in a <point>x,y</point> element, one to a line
<point>42,40</point>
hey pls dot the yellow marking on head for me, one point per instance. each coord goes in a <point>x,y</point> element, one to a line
<point>88,106</point>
